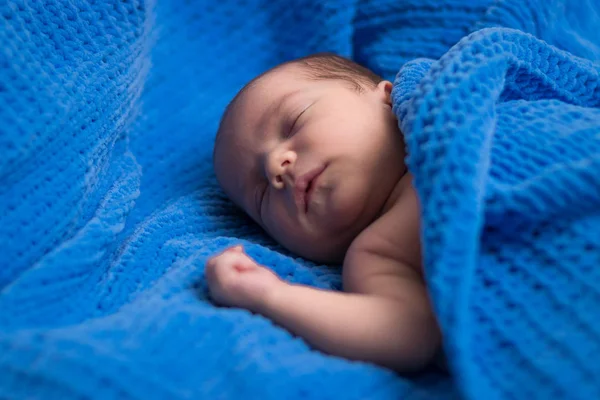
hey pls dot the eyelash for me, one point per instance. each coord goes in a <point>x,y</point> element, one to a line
<point>291,129</point>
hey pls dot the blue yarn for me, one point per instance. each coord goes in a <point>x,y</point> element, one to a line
<point>503,137</point>
<point>109,207</point>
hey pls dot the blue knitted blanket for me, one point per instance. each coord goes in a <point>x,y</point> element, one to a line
<point>503,136</point>
<point>109,207</point>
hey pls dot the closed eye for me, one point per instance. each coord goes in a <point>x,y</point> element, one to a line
<point>291,130</point>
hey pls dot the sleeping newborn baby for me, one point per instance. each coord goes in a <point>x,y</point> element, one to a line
<point>311,150</point>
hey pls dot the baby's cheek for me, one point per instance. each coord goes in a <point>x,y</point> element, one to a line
<point>343,203</point>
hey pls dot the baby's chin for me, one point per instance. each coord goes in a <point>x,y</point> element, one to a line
<point>322,251</point>
<point>312,243</point>
<point>348,214</point>
<point>324,245</point>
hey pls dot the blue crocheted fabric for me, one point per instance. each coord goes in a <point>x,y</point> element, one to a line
<point>109,207</point>
<point>503,136</point>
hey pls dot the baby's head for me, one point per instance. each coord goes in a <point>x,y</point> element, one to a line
<point>311,150</point>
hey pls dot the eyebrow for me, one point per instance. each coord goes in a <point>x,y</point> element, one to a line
<point>276,106</point>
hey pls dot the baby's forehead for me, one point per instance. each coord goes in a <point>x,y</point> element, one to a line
<point>264,96</point>
<point>282,78</point>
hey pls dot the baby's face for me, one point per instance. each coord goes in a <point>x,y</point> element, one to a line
<point>312,162</point>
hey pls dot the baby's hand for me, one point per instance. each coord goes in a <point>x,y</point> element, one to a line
<point>236,280</point>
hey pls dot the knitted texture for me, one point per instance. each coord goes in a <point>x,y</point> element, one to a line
<point>109,207</point>
<point>503,137</point>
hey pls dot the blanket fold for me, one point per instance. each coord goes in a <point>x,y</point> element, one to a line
<point>503,137</point>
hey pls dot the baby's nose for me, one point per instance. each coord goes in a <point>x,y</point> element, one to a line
<point>280,169</point>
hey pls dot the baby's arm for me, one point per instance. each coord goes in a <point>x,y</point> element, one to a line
<point>384,319</point>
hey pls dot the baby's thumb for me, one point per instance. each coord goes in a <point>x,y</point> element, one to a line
<point>239,248</point>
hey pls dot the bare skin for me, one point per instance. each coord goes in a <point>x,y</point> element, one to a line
<point>383,315</point>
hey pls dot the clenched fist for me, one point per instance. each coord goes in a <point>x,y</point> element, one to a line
<point>236,280</point>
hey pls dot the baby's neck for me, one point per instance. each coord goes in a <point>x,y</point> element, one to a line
<point>402,184</point>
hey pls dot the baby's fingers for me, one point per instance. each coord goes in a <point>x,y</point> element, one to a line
<point>239,249</point>
<point>210,269</point>
<point>240,261</point>
<point>228,262</point>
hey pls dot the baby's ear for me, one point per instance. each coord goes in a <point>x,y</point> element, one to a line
<point>384,91</point>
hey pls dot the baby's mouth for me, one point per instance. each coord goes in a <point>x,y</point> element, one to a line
<point>305,186</point>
